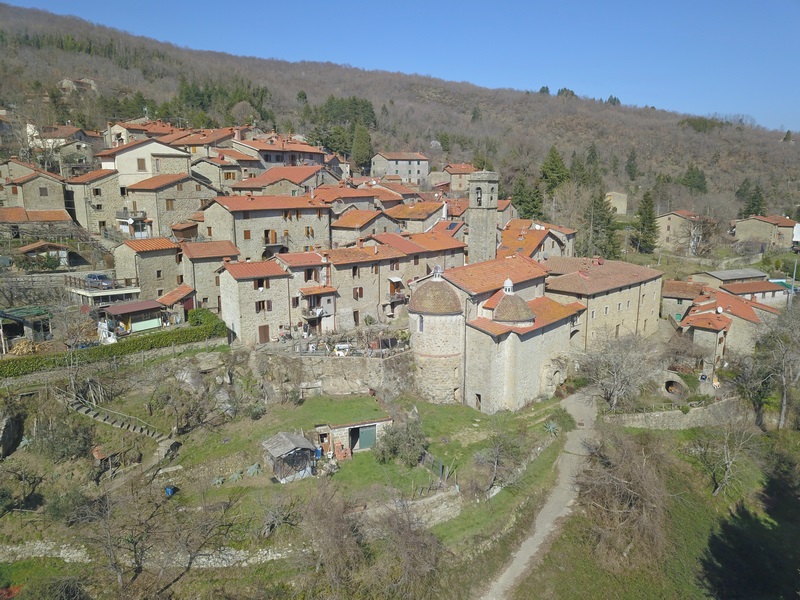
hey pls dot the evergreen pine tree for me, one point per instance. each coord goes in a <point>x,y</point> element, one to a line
<point>554,171</point>
<point>646,234</point>
<point>527,198</point>
<point>362,147</point>
<point>600,233</point>
<point>631,168</point>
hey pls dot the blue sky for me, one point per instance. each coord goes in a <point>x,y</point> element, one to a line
<point>700,57</point>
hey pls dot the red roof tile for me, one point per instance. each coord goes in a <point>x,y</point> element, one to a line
<point>717,301</point>
<point>403,155</point>
<point>330,193</point>
<point>447,227</point>
<point>460,168</point>
<point>158,182</point>
<point>47,216</point>
<point>777,220</point>
<point>433,241</point>
<point>41,245</point>
<point>300,259</point>
<point>419,211</point>
<point>92,176</point>
<point>13,214</point>
<point>296,175</point>
<point>318,290</point>
<point>457,207</point>
<point>521,241</point>
<point>490,275</point>
<point>255,270</point>
<point>124,147</point>
<point>752,287</point>
<point>710,321</point>
<point>234,154</point>
<point>176,295</point>
<point>151,244</point>
<point>685,290</point>
<point>206,137</point>
<point>344,256</point>
<point>242,203</point>
<point>586,277</point>
<point>356,219</point>
<point>399,242</point>
<point>218,249</point>
<point>281,145</point>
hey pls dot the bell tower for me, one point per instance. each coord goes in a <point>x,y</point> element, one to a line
<point>482,215</point>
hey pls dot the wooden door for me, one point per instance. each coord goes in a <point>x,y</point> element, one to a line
<point>263,334</point>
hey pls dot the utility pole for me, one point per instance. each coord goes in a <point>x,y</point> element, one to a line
<point>794,279</point>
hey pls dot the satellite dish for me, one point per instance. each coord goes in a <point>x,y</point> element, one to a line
<point>130,221</point>
<point>719,310</point>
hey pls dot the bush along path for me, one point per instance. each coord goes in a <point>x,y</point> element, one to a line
<point>581,405</point>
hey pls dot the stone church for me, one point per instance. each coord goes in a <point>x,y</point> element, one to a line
<point>484,334</point>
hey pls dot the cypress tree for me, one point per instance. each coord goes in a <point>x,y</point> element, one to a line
<point>554,171</point>
<point>646,233</point>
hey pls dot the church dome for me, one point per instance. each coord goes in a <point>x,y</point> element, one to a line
<point>435,297</point>
<point>512,308</point>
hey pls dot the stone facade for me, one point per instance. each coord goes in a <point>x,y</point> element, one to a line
<point>773,231</point>
<point>158,270</point>
<point>39,192</point>
<point>144,160</point>
<point>411,167</point>
<point>97,201</point>
<point>169,204</point>
<point>482,215</point>
<point>348,235</point>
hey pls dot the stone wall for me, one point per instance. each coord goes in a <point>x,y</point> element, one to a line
<point>719,413</point>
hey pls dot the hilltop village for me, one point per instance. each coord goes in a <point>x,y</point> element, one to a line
<point>283,242</point>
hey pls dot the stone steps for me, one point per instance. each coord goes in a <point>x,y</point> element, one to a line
<point>101,416</point>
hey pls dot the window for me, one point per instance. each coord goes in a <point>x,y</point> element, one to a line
<point>319,213</point>
<point>101,224</point>
<point>356,318</point>
<point>593,314</point>
<point>180,187</point>
<point>287,215</point>
<point>179,279</point>
<point>680,301</point>
<point>416,259</point>
<point>97,192</point>
<point>98,207</point>
<point>666,239</point>
<point>194,149</point>
<point>179,257</point>
<point>310,232</point>
<point>259,284</point>
<point>605,310</point>
<point>170,202</point>
<point>246,234</point>
<point>619,306</point>
<point>375,268</point>
<point>309,274</point>
<point>159,293</point>
<point>421,323</point>
<point>14,190</point>
<point>158,274</point>
<point>269,305</point>
<point>208,231</point>
<point>42,192</point>
<point>260,305</point>
<point>286,234</point>
<point>629,304</point>
<point>157,165</point>
<point>197,187</point>
<point>358,292</point>
<point>216,281</point>
<point>394,265</point>
<point>356,273</point>
<point>123,191</point>
<point>141,165</point>
<point>228,175</point>
<point>668,227</point>
<point>297,214</point>
<point>296,302</point>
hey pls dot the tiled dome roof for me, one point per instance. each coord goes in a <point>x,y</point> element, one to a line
<point>512,309</point>
<point>435,297</point>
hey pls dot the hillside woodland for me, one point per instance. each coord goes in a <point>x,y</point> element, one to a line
<point>691,162</point>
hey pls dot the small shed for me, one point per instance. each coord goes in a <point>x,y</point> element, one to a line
<point>41,250</point>
<point>290,455</point>
<point>351,436</point>
<point>134,316</point>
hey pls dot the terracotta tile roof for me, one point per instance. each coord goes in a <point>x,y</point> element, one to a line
<point>296,175</point>
<point>492,328</point>
<point>777,220</point>
<point>356,219</point>
<point>398,188</point>
<point>176,295</point>
<point>686,214</point>
<point>521,241</point>
<point>36,175</point>
<point>132,307</point>
<point>255,270</point>
<point>457,207</point>
<point>710,321</point>
<point>711,300</point>
<point>489,276</point>
<point>151,244</point>
<point>399,242</point>
<point>182,226</point>
<point>92,176</point>
<point>41,245</point>
<point>318,290</point>
<point>447,227</point>
<point>280,145</point>
<point>403,155</point>
<point>32,168</point>
<point>434,242</point>
<point>547,311</point>
<point>218,249</point>
<point>330,193</point>
<point>13,214</point>
<point>242,203</point>
<point>558,228</point>
<point>385,195</point>
<point>47,216</point>
<point>503,205</point>
<point>230,154</point>
<point>158,182</point>
<point>300,259</point>
<point>752,287</point>
<point>460,168</point>
<point>685,290</point>
<point>206,137</point>
<point>587,277</point>
<point>59,132</point>
<point>124,147</point>
<point>419,211</point>
<point>154,127</point>
<point>345,256</point>
<point>174,135</point>
<point>491,303</point>
<point>198,216</point>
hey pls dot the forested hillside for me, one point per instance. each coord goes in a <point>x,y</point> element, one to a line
<point>692,162</point>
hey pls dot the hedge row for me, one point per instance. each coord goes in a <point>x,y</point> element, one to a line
<point>15,367</point>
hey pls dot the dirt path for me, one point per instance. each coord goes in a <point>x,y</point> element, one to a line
<point>559,503</point>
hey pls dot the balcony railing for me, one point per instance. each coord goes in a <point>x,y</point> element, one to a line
<point>81,283</point>
<point>276,240</point>
<point>136,215</point>
<point>396,297</point>
<point>313,313</point>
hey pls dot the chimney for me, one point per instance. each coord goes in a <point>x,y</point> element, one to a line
<point>360,242</point>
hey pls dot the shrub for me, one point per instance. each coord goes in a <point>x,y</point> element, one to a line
<point>404,442</point>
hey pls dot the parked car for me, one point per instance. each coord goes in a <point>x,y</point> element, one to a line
<point>100,281</point>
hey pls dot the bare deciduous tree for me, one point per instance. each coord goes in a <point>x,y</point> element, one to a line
<point>619,367</point>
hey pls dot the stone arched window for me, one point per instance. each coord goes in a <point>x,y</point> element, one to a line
<point>479,196</point>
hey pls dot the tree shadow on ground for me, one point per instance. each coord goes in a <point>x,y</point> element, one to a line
<point>752,556</point>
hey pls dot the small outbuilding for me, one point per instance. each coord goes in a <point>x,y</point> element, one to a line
<point>291,456</point>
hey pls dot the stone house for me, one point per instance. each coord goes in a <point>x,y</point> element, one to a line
<point>528,238</point>
<point>254,299</point>
<point>342,197</point>
<point>459,176</point>
<point>277,150</point>
<point>734,320</point>
<point>124,132</point>
<point>506,212</point>
<point>262,226</point>
<point>774,231</point>
<point>154,262</point>
<point>411,167</point>
<point>618,202</point>
<point>164,200</point>
<point>143,159</point>
<point>217,171</point>
<point>18,223</point>
<point>356,224</point>
<point>39,190</point>
<point>418,217</point>
<point>286,181</point>
<point>383,198</point>
<point>682,231</point>
<point>95,196</point>
<point>313,298</point>
<point>489,348</point>
<point>424,252</point>
<point>620,298</point>
<point>677,298</point>
<point>202,142</point>
<point>200,262</point>
<point>367,280</point>
<point>716,279</point>
<point>250,166</point>
<point>763,292</point>
<point>454,229</point>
